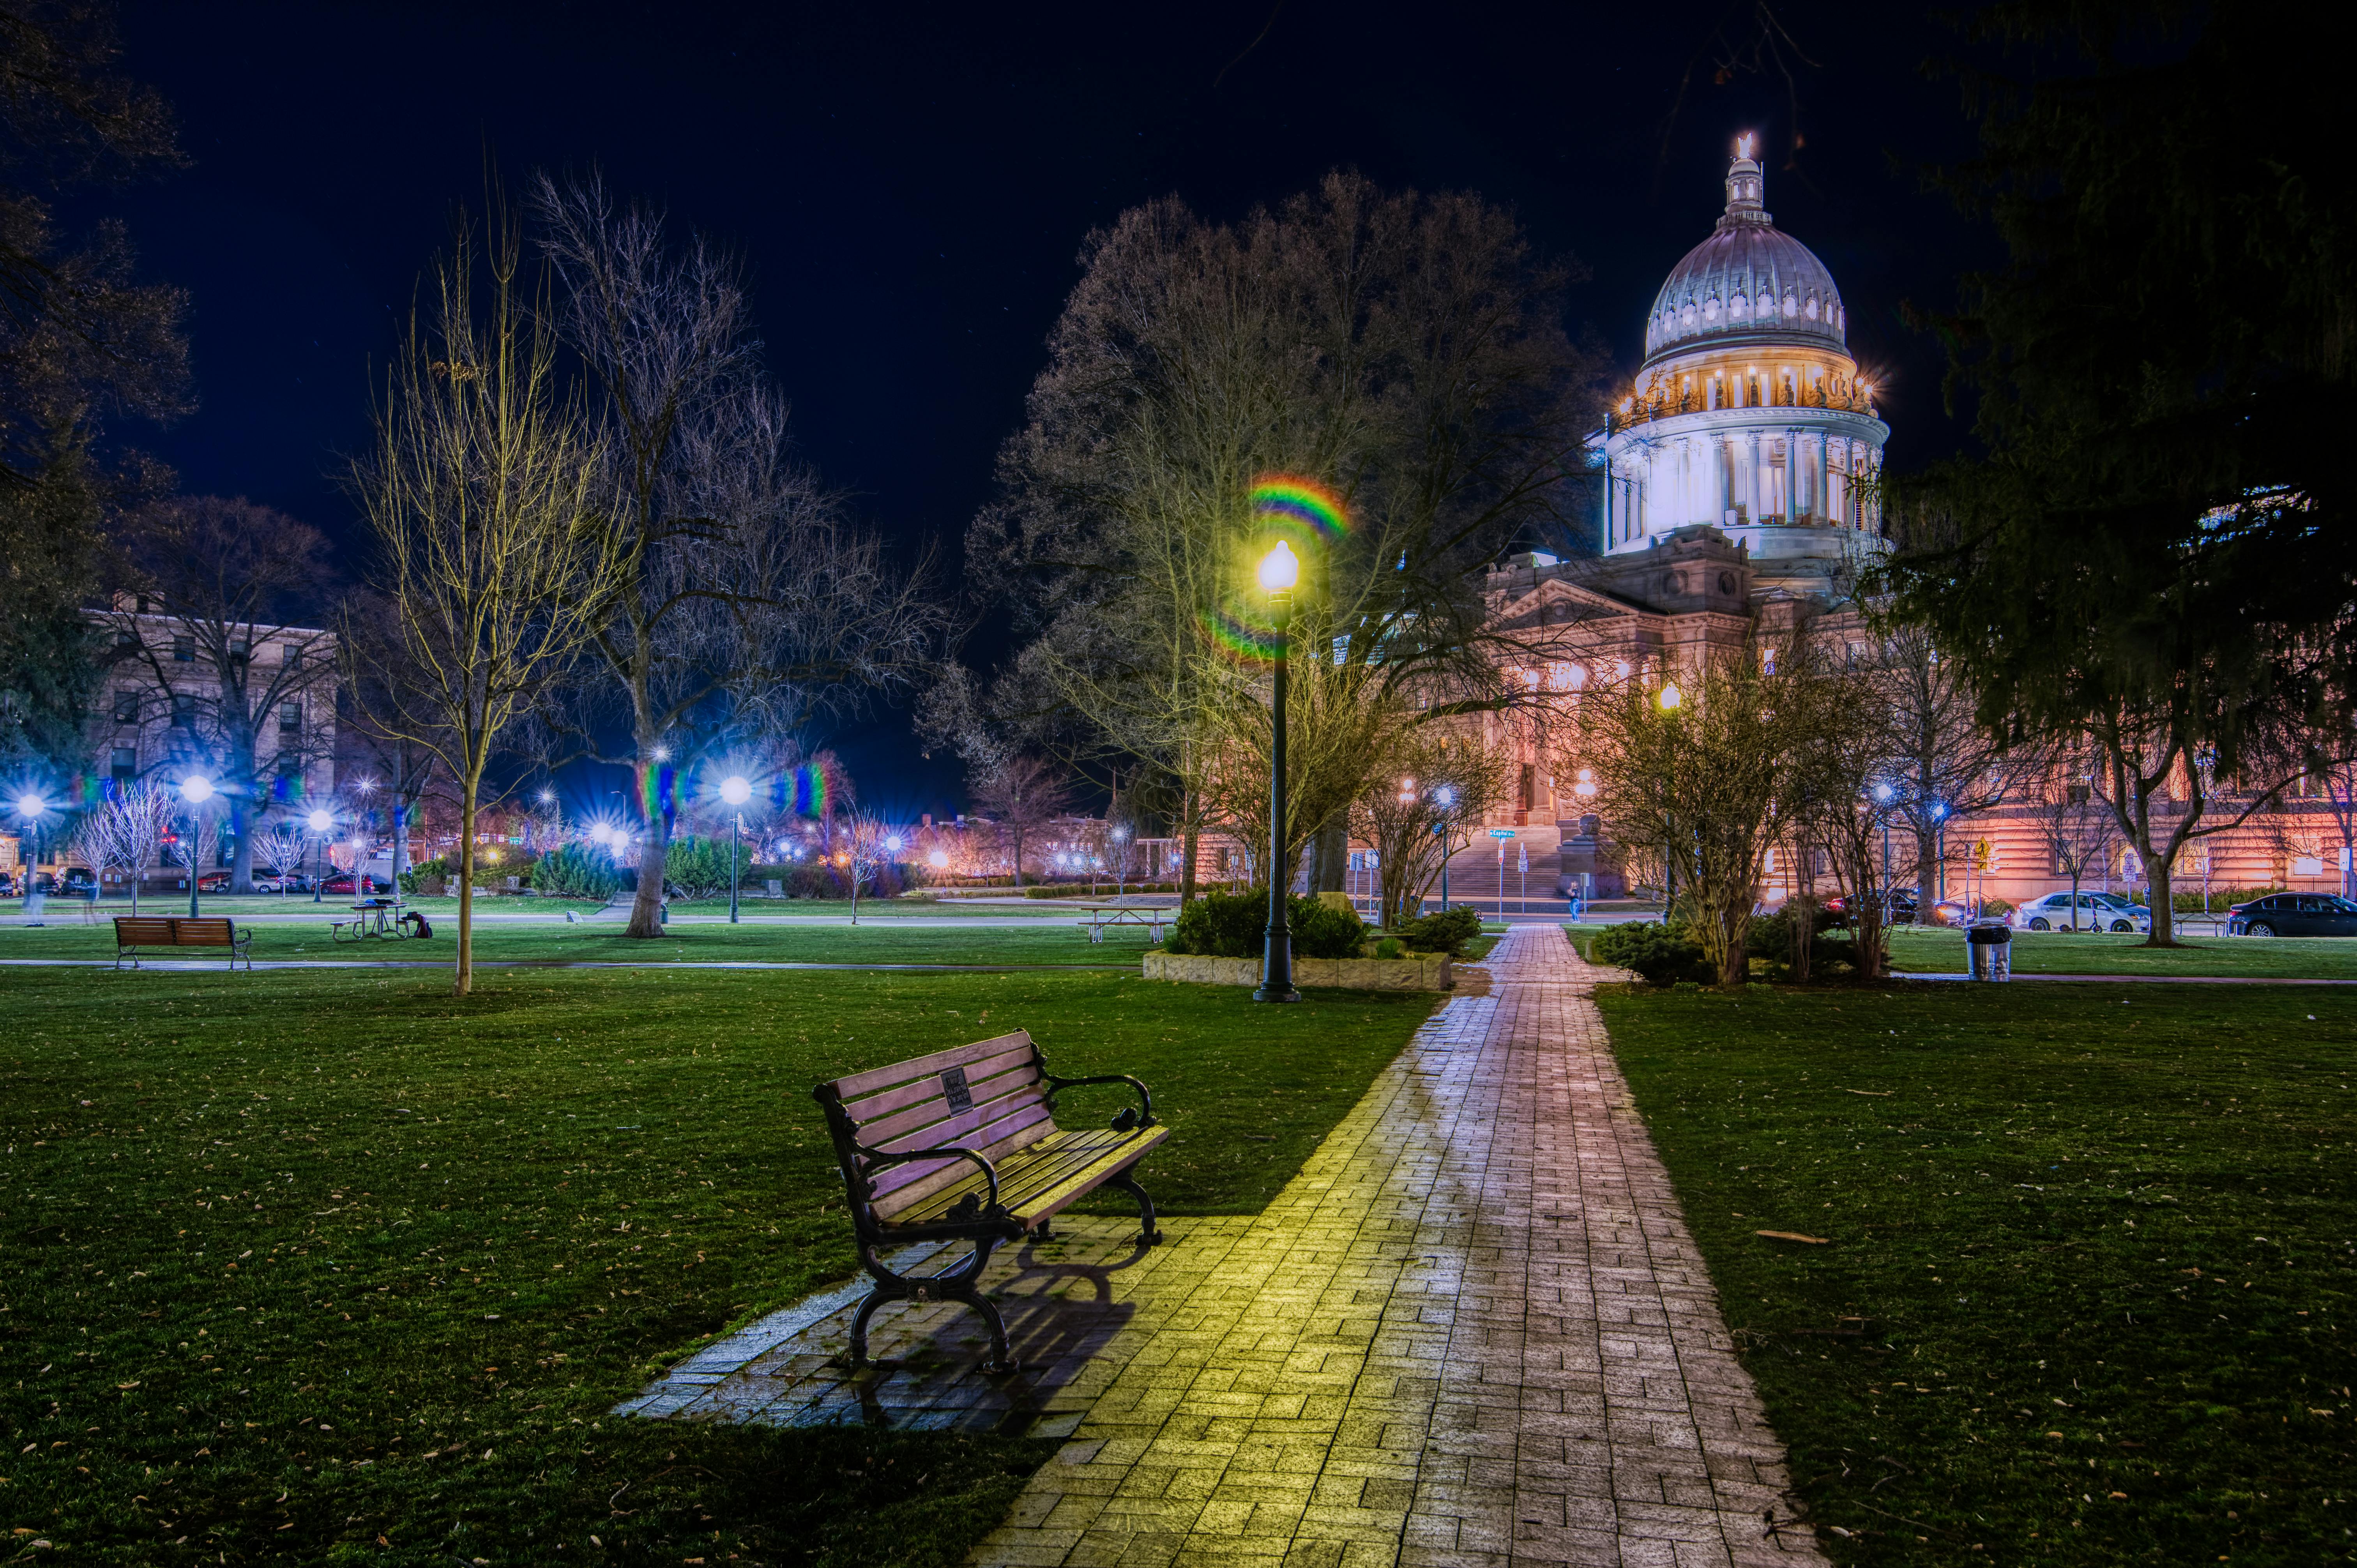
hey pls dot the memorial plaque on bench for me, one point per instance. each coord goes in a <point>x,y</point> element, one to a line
<point>954,1091</point>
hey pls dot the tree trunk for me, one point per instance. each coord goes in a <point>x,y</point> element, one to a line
<point>646,904</point>
<point>462,981</point>
<point>1187,845</point>
<point>241,854</point>
<point>1330,858</point>
<point>1927,867</point>
<point>2161,874</point>
<point>1016,834</point>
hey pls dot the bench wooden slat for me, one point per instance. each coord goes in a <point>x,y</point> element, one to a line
<point>919,1091</point>
<point>1018,1127</point>
<point>867,1082</point>
<point>918,1126</point>
<point>131,931</point>
<point>1038,1184</point>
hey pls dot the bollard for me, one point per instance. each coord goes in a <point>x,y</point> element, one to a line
<point>1991,948</point>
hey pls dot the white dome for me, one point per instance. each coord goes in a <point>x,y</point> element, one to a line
<point>1749,283</point>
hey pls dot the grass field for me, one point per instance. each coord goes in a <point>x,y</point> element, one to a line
<point>550,940</point>
<point>324,1266</point>
<point>2100,1238</point>
<point>1937,951</point>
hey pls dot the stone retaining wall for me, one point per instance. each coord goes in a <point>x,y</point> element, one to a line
<point>1426,972</point>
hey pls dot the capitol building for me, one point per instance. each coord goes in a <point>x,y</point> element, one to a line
<point>1739,486</point>
<point>1749,415</point>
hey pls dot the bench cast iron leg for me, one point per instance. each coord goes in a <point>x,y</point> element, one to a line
<point>1147,1236</point>
<point>957,1286</point>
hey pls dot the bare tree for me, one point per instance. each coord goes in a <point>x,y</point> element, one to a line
<point>2079,826</point>
<point>480,496</point>
<point>281,849</point>
<point>208,633</point>
<point>869,843</point>
<point>1444,776</point>
<point>127,829</point>
<point>1404,349</point>
<point>742,599</point>
<point>1020,795</point>
<point>1945,766</point>
<point>1709,762</point>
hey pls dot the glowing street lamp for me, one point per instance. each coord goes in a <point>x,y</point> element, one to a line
<point>31,808</point>
<point>320,822</point>
<point>1280,570</point>
<point>1670,698</point>
<point>196,789</point>
<point>735,791</point>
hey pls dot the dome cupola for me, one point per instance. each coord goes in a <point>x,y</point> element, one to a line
<point>1749,283</point>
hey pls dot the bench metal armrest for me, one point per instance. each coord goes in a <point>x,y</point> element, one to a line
<point>876,1159</point>
<point>1145,1097</point>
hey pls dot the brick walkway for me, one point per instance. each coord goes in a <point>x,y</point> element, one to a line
<point>1472,1330</point>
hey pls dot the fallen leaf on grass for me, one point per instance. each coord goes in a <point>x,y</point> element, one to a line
<point>1877,1093</point>
<point>1793,1236</point>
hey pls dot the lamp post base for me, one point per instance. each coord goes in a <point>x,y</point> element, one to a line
<point>1267,994</point>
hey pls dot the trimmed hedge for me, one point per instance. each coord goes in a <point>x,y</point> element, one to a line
<point>1235,924</point>
<point>1661,953</point>
<point>1446,931</point>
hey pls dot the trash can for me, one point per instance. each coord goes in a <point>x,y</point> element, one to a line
<point>1992,952</point>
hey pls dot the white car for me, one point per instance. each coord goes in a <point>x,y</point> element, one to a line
<point>2094,912</point>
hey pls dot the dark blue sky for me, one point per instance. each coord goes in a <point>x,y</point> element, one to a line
<point>910,187</point>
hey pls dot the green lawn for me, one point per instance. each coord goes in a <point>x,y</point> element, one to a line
<point>1935,951</point>
<point>549,940</point>
<point>1931,950</point>
<point>2100,1236</point>
<point>325,1266</point>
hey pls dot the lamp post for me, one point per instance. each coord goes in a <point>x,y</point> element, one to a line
<point>29,807</point>
<point>320,822</point>
<point>1882,793</point>
<point>1670,699</point>
<point>196,789</point>
<point>1939,853</point>
<point>735,791</point>
<point>1278,571</point>
<point>1447,796</point>
<point>1120,863</point>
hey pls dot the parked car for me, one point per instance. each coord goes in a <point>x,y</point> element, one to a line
<point>213,882</point>
<point>1898,907</point>
<point>341,882</point>
<point>293,882</point>
<point>2092,912</point>
<point>2293,915</point>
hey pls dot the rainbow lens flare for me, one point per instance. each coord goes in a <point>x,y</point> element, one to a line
<point>1289,497</point>
<point>810,791</point>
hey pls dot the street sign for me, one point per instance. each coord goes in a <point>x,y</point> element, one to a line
<point>1501,833</point>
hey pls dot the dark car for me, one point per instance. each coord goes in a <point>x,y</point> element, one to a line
<point>341,882</point>
<point>1897,907</point>
<point>2293,915</point>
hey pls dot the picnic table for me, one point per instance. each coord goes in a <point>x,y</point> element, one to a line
<point>1102,917</point>
<point>377,918</point>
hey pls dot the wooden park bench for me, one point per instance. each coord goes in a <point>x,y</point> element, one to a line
<point>963,1145</point>
<point>135,933</point>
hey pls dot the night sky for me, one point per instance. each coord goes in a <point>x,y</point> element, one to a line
<point>910,187</point>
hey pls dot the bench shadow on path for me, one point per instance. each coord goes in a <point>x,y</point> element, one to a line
<point>1065,1300</point>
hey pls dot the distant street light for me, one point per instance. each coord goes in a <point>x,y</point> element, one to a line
<point>29,805</point>
<point>196,789</point>
<point>1278,571</point>
<point>1670,699</point>
<point>735,791</point>
<point>320,822</point>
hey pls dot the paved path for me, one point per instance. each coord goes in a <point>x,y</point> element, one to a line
<point>1473,1330</point>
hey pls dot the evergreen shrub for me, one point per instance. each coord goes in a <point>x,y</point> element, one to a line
<point>1446,932</point>
<point>1662,954</point>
